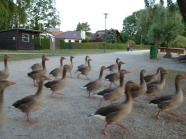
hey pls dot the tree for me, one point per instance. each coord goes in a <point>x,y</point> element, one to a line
<point>131,30</point>
<point>167,25</point>
<point>83,27</point>
<point>41,14</point>
<point>181,4</point>
<point>13,13</point>
<point>111,36</point>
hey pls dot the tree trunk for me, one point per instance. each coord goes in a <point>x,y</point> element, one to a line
<point>182,7</point>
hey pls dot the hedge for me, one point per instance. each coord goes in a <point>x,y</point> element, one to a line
<point>99,45</point>
<point>45,43</point>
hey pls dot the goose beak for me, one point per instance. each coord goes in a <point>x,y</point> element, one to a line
<point>11,83</point>
<point>136,85</point>
<point>128,71</point>
<point>183,77</point>
<point>47,78</point>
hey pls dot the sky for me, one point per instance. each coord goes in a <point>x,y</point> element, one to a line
<point>92,11</point>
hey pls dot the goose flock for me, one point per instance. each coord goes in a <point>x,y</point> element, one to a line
<point>110,114</point>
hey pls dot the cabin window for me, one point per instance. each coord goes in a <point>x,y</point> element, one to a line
<point>25,37</point>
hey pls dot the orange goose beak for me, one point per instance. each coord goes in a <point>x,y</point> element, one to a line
<point>47,78</point>
<point>46,59</point>
<point>11,83</point>
<point>183,77</point>
<point>127,71</point>
<point>136,85</point>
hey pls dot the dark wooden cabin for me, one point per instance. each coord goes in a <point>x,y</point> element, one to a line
<point>18,39</point>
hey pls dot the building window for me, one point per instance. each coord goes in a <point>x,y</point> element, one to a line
<point>25,37</point>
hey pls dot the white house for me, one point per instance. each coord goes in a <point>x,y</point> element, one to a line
<point>72,36</point>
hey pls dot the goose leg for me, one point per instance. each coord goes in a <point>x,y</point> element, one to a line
<point>120,125</point>
<point>157,116</point>
<point>110,84</point>
<point>89,94</point>
<point>105,130</point>
<point>28,118</point>
<point>137,101</point>
<point>78,75</point>
<point>87,77</point>
<point>174,114</point>
<point>115,84</point>
<point>99,105</point>
<point>71,74</point>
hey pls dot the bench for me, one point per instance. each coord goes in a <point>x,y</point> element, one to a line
<point>173,50</point>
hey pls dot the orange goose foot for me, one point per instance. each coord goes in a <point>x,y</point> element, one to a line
<point>52,95</point>
<point>29,120</point>
<point>158,115</point>
<point>174,114</point>
<point>105,131</point>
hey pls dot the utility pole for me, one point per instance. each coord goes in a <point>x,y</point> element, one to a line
<point>105,33</point>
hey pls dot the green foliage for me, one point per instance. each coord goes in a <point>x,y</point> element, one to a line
<point>179,42</point>
<point>99,45</point>
<point>62,44</point>
<point>13,13</point>
<point>85,40</point>
<point>41,14</point>
<point>42,43</point>
<point>83,27</point>
<point>111,36</point>
<point>166,26</point>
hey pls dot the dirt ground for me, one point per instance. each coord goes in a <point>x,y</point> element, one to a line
<point>65,117</point>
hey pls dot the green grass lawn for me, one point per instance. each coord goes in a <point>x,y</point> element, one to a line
<point>19,55</point>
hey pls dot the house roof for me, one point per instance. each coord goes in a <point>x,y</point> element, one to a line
<point>21,29</point>
<point>57,33</point>
<point>101,34</point>
<point>70,35</point>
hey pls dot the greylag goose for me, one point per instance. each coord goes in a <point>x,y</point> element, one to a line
<point>35,75</point>
<point>5,73</point>
<point>171,101</point>
<point>97,84</point>
<point>57,85</point>
<point>84,70</point>
<point>38,66</point>
<point>84,65</point>
<point>33,102</point>
<point>71,66</point>
<point>114,67</point>
<point>155,87</point>
<point>3,85</point>
<point>138,91</point>
<point>113,77</point>
<point>152,77</point>
<point>58,71</point>
<point>115,112</point>
<point>112,94</point>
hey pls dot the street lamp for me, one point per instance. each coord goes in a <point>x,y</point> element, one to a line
<point>105,32</point>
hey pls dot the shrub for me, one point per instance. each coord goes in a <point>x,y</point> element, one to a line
<point>179,42</point>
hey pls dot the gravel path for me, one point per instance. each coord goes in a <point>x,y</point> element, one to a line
<point>65,117</point>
